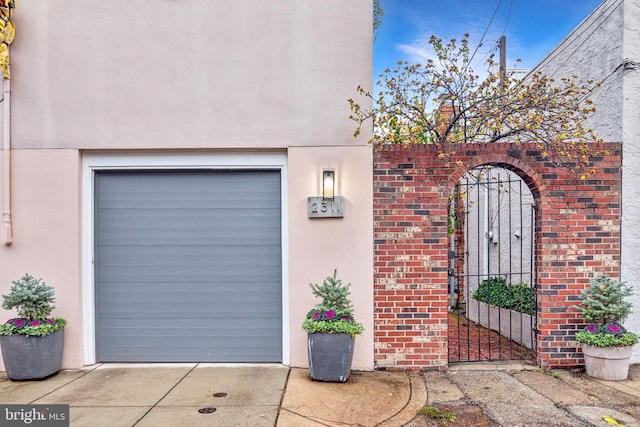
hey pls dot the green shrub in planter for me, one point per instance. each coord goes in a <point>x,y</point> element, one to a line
<point>497,292</point>
<point>334,315</point>
<point>331,331</point>
<point>606,345</point>
<point>603,305</point>
<point>33,299</point>
<point>31,343</point>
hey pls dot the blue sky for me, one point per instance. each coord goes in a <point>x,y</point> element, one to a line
<point>532,27</point>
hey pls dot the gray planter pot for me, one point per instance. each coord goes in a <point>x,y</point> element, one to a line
<point>330,356</point>
<point>32,358</point>
<point>607,363</point>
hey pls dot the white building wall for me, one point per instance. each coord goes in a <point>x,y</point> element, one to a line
<point>593,51</point>
<point>631,161</point>
<point>605,48</point>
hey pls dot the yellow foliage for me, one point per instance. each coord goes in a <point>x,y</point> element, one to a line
<point>4,60</point>
<point>7,34</point>
<point>613,421</point>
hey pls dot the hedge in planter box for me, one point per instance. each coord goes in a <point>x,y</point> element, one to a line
<point>32,342</point>
<point>496,291</point>
<point>331,330</point>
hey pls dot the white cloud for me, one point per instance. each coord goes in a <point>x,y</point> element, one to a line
<point>416,52</point>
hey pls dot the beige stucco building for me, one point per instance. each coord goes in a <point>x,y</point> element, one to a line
<point>124,116</point>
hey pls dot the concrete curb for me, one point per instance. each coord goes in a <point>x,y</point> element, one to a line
<point>416,401</point>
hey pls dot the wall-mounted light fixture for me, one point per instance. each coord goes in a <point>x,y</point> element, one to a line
<point>329,205</point>
<point>328,184</point>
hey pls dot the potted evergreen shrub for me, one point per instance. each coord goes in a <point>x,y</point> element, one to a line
<point>606,344</point>
<point>331,331</point>
<point>32,342</point>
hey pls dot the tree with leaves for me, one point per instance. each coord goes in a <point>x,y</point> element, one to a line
<point>446,102</point>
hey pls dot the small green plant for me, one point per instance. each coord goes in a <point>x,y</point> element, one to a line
<point>603,302</point>
<point>334,315</point>
<point>603,305</point>
<point>496,291</point>
<point>437,414</point>
<point>34,301</point>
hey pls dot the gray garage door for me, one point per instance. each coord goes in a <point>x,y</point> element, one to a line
<point>188,266</point>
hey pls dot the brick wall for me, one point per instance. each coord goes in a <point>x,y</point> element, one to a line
<point>577,237</point>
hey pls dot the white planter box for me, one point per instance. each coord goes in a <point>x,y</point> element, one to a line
<point>511,324</point>
<point>607,363</point>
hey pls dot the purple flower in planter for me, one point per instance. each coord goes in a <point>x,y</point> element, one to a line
<point>614,329</point>
<point>346,318</point>
<point>316,315</point>
<point>592,329</point>
<point>330,314</point>
<point>19,323</point>
<point>35,323</point>
<point>51,321</point>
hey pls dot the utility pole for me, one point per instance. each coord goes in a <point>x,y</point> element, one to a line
<point>503,59</point>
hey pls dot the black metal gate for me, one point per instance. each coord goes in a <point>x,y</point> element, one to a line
<point>491,268</point>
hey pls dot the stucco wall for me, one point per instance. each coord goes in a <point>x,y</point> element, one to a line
<point>190,77</point>
<point>46,223</point>
<point>631,162</point>
<point>318,246</point>
<point>195,74</point>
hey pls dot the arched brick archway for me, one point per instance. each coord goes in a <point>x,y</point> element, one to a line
<point>529,175</point>
<point>577,236</point>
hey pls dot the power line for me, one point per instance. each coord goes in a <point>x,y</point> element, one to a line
<point>485,31</point>
<point>504,30</point>
<point>494,48</point>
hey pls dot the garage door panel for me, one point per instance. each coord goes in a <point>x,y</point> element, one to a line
<point>234,328</point>
<point>169,273</point>
<point>188,266</point>
<point>176,237</point>
<point>215,310</point>
<point>174,336</point>
<point>221,297</point>
<point>177,354</point>
<point>192,233</point>
<point>189,256</point>
<point>144,285</point>
<point>245,354</point>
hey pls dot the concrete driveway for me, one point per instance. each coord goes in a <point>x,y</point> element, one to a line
<point>160,395</point>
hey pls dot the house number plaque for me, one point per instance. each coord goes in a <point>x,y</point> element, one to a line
<point>320,208</point>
